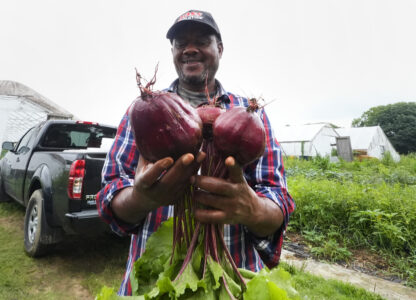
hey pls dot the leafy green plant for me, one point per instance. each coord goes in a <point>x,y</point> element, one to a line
<point>283,282</point>
<point>370,204</point>
<point>326,246</point>
<point>153,276</point>
<point>332,251</point>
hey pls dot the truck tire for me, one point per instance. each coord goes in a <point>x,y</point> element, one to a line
<point>36,238</point>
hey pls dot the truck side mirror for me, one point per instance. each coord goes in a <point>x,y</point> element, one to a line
<point>8,146</point>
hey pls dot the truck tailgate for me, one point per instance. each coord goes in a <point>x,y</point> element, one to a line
<point>92,181</point>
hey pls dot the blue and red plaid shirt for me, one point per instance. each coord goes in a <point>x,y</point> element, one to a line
<point>266,176</point>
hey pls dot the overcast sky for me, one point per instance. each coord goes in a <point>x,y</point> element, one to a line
<point>321,61</point>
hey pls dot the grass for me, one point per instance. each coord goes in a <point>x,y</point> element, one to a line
<point>77,269</point>
<point>318,288</point>
<point>344,206</point>
<point>81,266</point>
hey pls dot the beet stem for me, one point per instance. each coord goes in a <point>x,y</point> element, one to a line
<point>175,231</point>
<point>230,259</point>
<point>190,250</point>
<point>227,288</point>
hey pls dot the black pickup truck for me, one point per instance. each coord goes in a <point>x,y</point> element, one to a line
<point>54,170</point>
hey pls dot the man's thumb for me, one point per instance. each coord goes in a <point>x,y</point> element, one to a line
<point>235,172</point>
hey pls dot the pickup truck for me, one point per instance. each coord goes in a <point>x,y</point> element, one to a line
<point>54,171</point>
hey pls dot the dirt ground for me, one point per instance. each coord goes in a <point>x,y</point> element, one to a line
<point>366,269</point>
<point>362,260</point>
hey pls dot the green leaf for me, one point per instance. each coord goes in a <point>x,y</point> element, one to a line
<point>274,284</point>
<point>275,292</point>
<point>247,274</point>
<point>282,279</point>
<point>216,271</point>
<point>146,270</point>
<point>108,293</point>
<point>260,287</point>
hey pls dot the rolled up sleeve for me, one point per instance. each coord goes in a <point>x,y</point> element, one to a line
<point>117,174</point>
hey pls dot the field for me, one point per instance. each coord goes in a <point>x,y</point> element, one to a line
<point>342,208</point>
<point>368,206</point>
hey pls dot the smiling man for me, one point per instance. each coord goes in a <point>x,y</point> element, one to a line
<point>253,203</point>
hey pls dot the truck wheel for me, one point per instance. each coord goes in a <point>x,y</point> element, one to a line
<point>35,223</point>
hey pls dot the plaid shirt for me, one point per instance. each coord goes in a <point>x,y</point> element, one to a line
<point>266,176</point>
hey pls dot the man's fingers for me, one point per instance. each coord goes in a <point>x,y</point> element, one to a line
<point>235,172</point>
<point>200,157</point>
<point>211,200</point>
<point>210,216</point>
<point>183,169</point>
<point>150,175</point>
<point>213,185</point>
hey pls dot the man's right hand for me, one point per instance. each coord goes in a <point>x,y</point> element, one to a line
<point>155,184</point>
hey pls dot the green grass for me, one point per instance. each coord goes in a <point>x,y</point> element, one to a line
<point>80,267</point>
<point>77,269</point>
<point>314,287</point>
<point>344,206</point>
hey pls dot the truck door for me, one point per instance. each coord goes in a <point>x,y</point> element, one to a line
<point>6,172</point>
<point>19,161</point>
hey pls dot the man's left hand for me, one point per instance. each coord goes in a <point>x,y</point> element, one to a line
<point>233,201</point>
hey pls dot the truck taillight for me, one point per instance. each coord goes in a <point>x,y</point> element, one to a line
<point>76,178</point>
<point>87,123</point>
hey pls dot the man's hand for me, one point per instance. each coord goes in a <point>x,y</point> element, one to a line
<point>233,201</point>
<point>152,190</point>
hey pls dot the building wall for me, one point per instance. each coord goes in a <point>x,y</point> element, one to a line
<point>322,142</point>
<point>380,144</point>
<point>17,116</point>
<point>295,148</point>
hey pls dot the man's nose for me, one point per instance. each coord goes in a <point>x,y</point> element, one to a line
<point>190,49</point>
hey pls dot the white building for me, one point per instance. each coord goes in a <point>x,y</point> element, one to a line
<point>371,141</point>
<point>21,108</point>
<point>306,140</point>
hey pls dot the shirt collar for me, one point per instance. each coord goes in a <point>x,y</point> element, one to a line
<point>222,93</point>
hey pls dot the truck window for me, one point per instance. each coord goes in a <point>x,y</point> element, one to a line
<point>77,136</point>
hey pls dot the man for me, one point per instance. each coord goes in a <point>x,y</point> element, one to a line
<point>253,203</point>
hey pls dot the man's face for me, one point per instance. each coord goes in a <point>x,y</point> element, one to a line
<point>196,55</point>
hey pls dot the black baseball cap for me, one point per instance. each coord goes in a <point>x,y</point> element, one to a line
<point>197,16</point>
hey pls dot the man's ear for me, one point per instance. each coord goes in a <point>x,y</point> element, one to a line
<point>220,48</point>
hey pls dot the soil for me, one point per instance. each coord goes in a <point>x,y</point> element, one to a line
<point>365,269</point>
<point>362,260</point>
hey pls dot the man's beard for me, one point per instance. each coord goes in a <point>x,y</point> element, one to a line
<point>196,80</point>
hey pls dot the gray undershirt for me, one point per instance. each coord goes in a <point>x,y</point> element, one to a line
<point>194,98</point>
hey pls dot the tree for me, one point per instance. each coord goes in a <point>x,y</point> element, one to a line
<point>398,122</point>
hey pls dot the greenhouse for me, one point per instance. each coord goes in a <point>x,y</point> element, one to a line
<point>21,108</point>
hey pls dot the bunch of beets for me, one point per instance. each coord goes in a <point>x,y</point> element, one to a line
<point>166,126</point>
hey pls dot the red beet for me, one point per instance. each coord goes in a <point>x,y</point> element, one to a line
<point>240,133</point>
<point>164,125</point>
<point>208,114</point>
